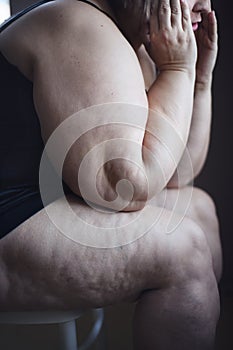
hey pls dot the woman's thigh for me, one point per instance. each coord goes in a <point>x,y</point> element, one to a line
<point>90,258</point>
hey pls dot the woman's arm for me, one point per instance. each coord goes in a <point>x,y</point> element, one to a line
<point>199,136</point>
<point>73,71</point>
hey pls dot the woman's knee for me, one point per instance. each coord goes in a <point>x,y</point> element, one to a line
<point>203,212</point>
<point>194,257</point>
<point>202,206</point>
<point>183,255</point>
<point>186,272</point>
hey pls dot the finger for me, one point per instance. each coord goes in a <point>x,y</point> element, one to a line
<point>164,14</point>
<point>212,26</point>
<point>186,18</point>
<point>154,21</point>
<point>208,5</point>
<point>175,13</point>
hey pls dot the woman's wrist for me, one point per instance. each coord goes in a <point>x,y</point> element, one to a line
<point>204,83</point>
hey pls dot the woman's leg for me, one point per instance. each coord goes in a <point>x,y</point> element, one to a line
<point>202,211</point>
<point>181,316</point>
<point>171,275</point>
<point>160,312</point>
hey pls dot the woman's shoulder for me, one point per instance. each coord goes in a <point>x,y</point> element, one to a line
<point>23,34</point>
<point>81,20</point>
<point>55,17</point>
<point>56,23</point>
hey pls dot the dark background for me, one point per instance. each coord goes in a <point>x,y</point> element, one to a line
<point>216,178</point>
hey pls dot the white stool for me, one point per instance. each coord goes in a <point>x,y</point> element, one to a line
<point>65,320</point>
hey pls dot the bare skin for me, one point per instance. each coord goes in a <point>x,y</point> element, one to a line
<point>57,273</point>
<point>171,276</point>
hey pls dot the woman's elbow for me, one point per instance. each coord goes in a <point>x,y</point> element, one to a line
<point>119,185</point>
<point>127,183</point>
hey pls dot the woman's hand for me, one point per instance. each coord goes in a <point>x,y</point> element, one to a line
<point>207,38</point>
<point>172,42</point>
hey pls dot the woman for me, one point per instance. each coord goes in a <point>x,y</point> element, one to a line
<point>132,148</point>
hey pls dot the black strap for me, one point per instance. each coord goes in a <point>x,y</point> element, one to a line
<point>90,3</point>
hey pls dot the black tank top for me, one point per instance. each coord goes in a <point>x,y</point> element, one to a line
<point>21,145</point>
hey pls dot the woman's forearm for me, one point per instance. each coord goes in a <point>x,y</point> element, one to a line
<point>170,101</point>
<point>198,141</point>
